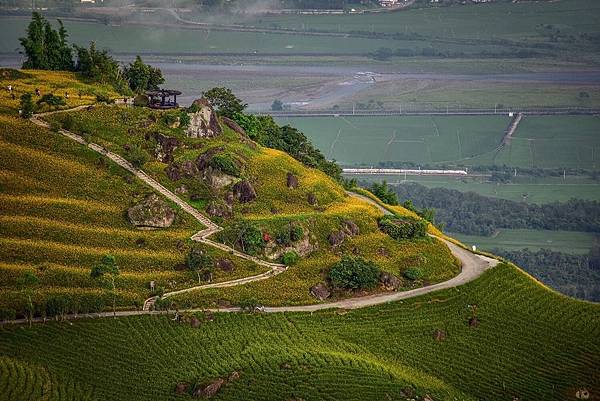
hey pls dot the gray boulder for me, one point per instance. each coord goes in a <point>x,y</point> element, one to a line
<point>292,181</point>
<point>152,212</point>
<point>244,191</point>
<point>225,264</point>
<point>389,281</point>
<point>209,390</point>
<point>337,238</point>
<point>312,199</point>
<point>219,209</point>
<point>204,123</point>
<point>320,291</point>
<point>351,228</point>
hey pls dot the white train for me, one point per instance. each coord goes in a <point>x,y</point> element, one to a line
<point>401,171</point>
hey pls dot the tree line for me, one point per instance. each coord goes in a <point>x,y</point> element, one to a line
<point>474,214</point>
<point>46,48</point>
<point>574,275</point>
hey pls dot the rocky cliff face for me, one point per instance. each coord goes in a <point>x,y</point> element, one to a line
<point>204,123</point>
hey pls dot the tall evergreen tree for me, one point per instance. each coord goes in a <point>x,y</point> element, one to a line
<point>141,76</point>
<point>45,47</point>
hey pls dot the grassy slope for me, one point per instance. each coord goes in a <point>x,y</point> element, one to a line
<point>62,207</point>
<point>275,206</point>
<point>531,343</point>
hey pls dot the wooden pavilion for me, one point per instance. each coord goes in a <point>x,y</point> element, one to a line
<point>163,99</point>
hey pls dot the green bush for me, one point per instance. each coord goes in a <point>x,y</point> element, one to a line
<point>140,100</point>
<point>296,232</point>
<point>55,126</point>
<point>184,119</point>
<point>290,258</point>
<point>7,314</point>
<point>288,234</point>
<point>244,235</point>
<point>67,122</point>
<point>168,119</point>
<point>26,105</point>
<point>354,273</point>
<point>103,98</point>
<point>402,228</point>
<point>226,163</point>
<point>413,273</point>
<point>137,156</point>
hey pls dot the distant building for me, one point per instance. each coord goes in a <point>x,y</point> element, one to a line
<point>389,3</point>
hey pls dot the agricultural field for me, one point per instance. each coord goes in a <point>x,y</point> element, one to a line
<point>559,241</point>
<point>482,22</point>
<point>540,141</point>
<point>521,188</point>
<point>438,92</point>
<point>378,353</point>
<point>427,140</point>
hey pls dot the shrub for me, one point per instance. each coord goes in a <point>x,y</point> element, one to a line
<point>137,156</point>
<point>290,233</point>
<point>283,237</point>
<point>26,105</point>
<point>55,126</point>
<point>402,228</point>
<point>413,273</point>
<point>52,100</point>
<point>354,273</point>
<point>184,119</point>
<point>103,98</point>
<point>244,235</point>
<point>226,163</point>
<point>168,119</point>
<point>296,232</point>
<point>68,122</point>
<point>248,304</point>
<point>140,100</point>
<point>384,193</point>
<point>200,262</point>
<point>7,314</point>
<point>290,258</point>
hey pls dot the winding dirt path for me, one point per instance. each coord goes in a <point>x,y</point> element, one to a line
<point>473,265</point>
<point>200,236</point>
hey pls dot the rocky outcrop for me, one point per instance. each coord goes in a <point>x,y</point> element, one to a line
<point>204,123</point>
<point>173,171</point>
<point>233,125</point>
<point>389,281</point>
<point>292,181</point>
<point>217,179</point>
<point>152,212</point>
<point>225,264</point>
<point>320,291</point>
<point>209,390</point>
<point>336,238</point>
<point>350,228</point>
<point>165,146</point>
<point>189,169</point>
<point>312,199</point>
<point>244,191</point>
<point>219,209</point>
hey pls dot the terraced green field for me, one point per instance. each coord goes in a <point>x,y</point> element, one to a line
<point>540,141</point>
<point>559,241</point>
<point>530,343</point>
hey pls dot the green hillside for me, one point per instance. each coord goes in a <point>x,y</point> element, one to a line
<point>530,344</point>
<point>63,207</point>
